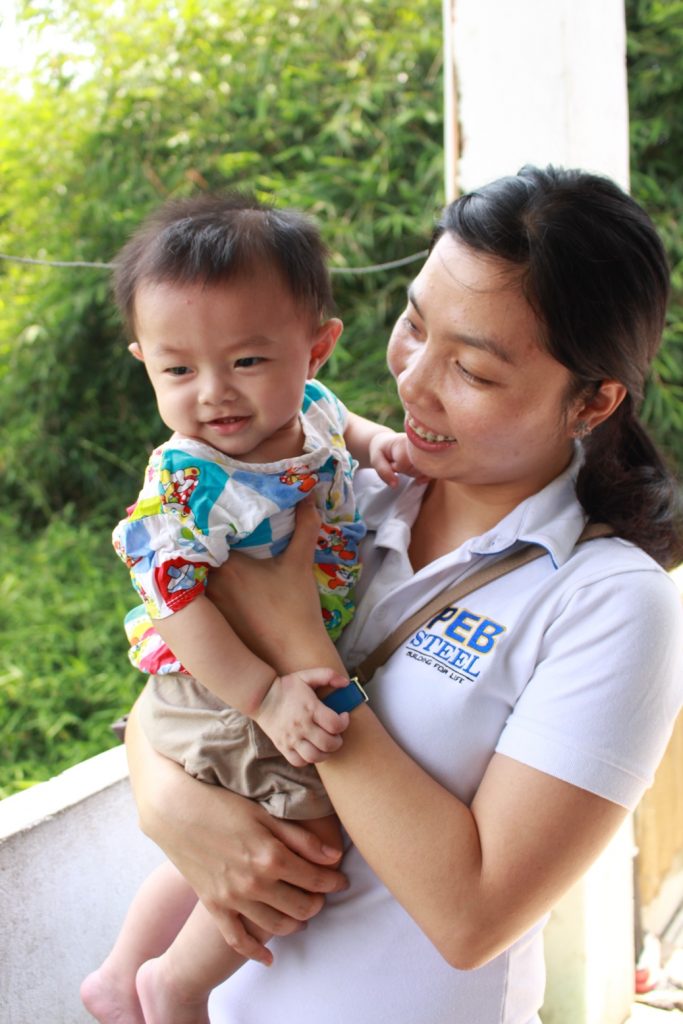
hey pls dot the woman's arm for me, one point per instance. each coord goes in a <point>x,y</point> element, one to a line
<point>473,878</point>
<point>237,858</point>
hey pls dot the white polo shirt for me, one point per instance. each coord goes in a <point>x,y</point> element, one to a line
<point>570,664</point>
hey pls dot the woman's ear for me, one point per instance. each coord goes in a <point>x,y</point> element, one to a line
<point>589,413</point>
<point>135,350</point>
<point>324,340</point>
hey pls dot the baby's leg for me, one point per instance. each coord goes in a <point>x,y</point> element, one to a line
<point>175,987</point>
<point>158,911</point>
<point>327,829</point>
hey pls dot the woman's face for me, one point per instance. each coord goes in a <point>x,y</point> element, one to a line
<point>486,406</point>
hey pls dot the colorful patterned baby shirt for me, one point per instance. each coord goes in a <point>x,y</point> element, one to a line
<point>197,504</point>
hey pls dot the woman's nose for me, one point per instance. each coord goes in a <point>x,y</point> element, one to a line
<point>418,379</point>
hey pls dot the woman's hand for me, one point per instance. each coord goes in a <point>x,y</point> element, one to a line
<point>273,604</point>
<point>244,865</point>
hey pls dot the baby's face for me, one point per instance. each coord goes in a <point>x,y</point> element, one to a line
<point>228,362</point>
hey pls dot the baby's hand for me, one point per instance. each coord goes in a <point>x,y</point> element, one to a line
<point>389,456</point>
<point>302,728</point>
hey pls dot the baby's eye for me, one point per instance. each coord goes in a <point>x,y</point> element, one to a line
<point>178,371</point>
<point>248,361</point>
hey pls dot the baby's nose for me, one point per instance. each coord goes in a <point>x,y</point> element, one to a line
<point>215,388</point>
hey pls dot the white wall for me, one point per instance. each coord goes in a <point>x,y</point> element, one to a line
<point>71,857</point>
<point>540,81</point>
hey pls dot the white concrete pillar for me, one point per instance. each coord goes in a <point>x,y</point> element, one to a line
<point>544,81</point>
<point>539,81</point>
<point>589,942</point>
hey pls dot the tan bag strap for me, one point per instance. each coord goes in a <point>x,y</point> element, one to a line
<point>478,579</point>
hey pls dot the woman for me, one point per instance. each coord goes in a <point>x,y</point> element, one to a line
<point>506,740</point>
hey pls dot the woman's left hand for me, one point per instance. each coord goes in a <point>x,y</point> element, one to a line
<point>273,603</point>
<point>244,864</point>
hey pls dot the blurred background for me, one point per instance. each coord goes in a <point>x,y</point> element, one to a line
<point>107,109</point>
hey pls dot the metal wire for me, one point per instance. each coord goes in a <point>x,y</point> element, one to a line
<point>373,269</point>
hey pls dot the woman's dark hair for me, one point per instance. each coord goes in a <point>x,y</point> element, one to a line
<point>593,268</point>
<point>215,238</point>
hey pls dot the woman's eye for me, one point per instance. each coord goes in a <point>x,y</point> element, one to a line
<point>409,324</point>
<point>472,377</point>
<point>248,361</point>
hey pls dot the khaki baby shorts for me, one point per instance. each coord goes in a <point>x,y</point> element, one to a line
<point>187,723</point>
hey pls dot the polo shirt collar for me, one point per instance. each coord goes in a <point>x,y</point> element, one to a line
<point>553,518</point>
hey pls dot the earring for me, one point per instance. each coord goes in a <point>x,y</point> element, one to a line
<point>581,430</point>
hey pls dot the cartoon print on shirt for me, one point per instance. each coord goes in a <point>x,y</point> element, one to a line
<point>178,487</point>
<point>332,539</point>
<point>179,581</point>
<point>180,578</point>
<point>455,641</point>
<point>306,479</point>
<point>332,618</point>
<point>330,576</point>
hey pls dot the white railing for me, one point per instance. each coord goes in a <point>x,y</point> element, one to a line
<point>71,857</point>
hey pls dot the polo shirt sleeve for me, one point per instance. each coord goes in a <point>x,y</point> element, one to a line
<point>608,683</point>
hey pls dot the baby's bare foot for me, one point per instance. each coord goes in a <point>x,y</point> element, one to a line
<point>111,999</point>
<point>162,1003</point>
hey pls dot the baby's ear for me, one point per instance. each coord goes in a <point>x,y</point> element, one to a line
<point>326,337</point>
<point>135,350</point>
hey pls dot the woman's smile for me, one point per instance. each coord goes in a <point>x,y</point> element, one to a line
<point>423,437</point>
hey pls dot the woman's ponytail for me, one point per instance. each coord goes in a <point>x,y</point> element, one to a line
<point>625,482</point>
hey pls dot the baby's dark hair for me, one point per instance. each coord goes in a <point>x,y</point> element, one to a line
<point>211,239</point>
<point>593,268</point>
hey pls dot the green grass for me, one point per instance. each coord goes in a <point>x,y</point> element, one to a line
<point>64,675</point>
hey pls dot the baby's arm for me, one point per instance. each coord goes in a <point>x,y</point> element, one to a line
<point>372,444</point>
<point>303,729</point>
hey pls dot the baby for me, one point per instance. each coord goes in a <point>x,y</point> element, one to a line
<point>227,301</point>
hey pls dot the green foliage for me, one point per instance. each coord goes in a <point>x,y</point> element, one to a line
<point>330,107</point>
<point>334,108</point>
<point>64,675</point>
<point>655,70</point>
